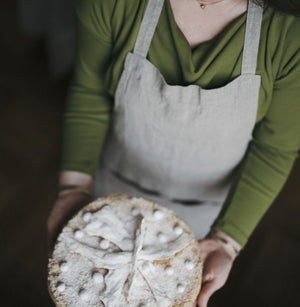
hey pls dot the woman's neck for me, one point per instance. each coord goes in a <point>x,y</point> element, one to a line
<point>200,25</point>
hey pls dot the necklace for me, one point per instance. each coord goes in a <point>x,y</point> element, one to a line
<point>204,3</point>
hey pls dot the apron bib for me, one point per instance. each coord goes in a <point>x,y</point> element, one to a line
<point>179,145</point>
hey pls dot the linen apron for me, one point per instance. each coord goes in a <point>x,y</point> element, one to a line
<point>179,145</point>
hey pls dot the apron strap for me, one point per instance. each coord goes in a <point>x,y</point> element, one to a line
<point>252,37</point>
<point>147,27</point>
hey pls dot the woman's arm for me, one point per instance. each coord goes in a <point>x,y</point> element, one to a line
<point>264,170</point>
<point>87,113</point>
<point>88,108</point>
<point>270,157</point>
<point>276,139</point>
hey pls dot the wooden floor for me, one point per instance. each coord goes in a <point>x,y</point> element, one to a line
<point>267,273</point>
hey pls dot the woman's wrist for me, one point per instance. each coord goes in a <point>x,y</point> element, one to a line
<point>231,246</point>
<point>74,178</point>
<point>74,182</point>
<point>66,190</point>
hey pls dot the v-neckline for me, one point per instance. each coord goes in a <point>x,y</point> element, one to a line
<point>182,37</point>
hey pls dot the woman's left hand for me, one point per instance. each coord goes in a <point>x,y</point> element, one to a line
<point>217,260</point>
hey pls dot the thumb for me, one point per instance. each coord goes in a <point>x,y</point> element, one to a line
<point>206,291</point>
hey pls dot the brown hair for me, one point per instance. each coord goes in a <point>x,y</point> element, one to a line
<point>291,7</point>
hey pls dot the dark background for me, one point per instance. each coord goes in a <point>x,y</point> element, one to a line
<point>32,97</point>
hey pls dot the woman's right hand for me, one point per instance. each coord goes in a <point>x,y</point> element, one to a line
<point>64,208</point>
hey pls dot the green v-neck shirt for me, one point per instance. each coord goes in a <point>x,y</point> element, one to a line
<point>107,31</point>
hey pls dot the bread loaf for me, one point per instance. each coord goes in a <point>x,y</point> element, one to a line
<point>125,251</point>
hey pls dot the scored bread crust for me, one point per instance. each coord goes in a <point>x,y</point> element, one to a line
<point>193,284</point>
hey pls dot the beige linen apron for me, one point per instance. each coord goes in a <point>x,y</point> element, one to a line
<point>179,145</point>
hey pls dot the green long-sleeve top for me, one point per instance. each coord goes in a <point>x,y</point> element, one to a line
<point>107,31</point>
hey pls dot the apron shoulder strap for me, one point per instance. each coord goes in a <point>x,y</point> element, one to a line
<point>147,27</point>
<point>252,37</point>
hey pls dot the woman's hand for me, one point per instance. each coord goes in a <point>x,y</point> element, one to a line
<point>68,203</point>
<point>217,260</point>
<point>64,208</point>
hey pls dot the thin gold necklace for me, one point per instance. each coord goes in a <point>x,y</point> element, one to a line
<point>204,3</point>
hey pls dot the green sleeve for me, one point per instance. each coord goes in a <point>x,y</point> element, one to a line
<point>88,108</point>
<point>271,154</point>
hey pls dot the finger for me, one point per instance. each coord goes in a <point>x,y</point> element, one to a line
<point>207,277</point>
<point>207,290</point>
<point>204,249</point>
<point>50,248</point>
<point>52,232</point>
<point>50,241</point>
<point>53,229</point>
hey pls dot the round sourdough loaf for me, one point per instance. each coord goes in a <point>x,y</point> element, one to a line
<point>125,251</point>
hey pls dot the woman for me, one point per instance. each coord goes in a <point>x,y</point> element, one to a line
<point>193,104</point>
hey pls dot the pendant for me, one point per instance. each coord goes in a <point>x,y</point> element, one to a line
<point>202,5</point>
